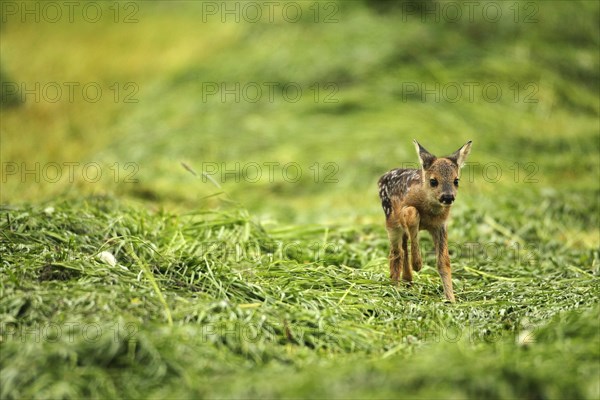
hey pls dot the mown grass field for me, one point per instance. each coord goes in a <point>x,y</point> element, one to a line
<point>264,274</point>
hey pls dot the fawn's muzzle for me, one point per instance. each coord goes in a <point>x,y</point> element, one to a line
<point>447,199</point>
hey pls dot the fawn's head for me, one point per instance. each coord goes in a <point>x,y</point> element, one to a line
<point>441,175</point>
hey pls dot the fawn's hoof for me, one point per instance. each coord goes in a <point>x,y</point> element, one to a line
<point>407,280</point>
<point>449,300</point>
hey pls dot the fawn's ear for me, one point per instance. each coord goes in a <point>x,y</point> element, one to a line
<point>425,157</point>
<point>460,155</point>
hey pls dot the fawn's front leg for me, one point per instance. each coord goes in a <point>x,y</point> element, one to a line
<point>411,220</point>
<point>397,255</point>
<point>440,239</point>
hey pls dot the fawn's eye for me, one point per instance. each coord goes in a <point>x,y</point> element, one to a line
<point>456,182</point>
<point>433,182</point>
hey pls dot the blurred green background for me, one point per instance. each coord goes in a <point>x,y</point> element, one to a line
<point>338,89</point>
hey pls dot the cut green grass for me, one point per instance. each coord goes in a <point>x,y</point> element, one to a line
<point>200,296</point>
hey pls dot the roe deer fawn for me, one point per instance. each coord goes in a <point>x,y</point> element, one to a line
<point>420,199</point>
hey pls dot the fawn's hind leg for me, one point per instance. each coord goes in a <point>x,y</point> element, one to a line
<point>406,269</point>
<point>397,255</point>
<point>411,220</point>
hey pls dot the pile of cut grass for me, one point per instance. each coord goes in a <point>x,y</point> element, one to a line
<point>211,303</point>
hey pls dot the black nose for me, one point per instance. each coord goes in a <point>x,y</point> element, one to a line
<point>447,199</point>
